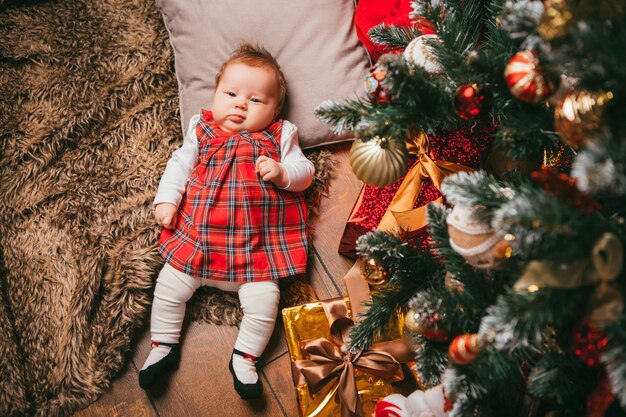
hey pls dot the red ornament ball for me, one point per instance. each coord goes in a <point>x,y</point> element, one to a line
<point>524,78</point>
<point>435,334</point>
<point>433,331</point>
<point>464,349</point>
<point>470,100</point>
<point>588,342</point>
<point>373,87</point>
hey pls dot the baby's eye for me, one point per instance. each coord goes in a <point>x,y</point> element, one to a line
<point>230,93</point>
<point>255,100</point>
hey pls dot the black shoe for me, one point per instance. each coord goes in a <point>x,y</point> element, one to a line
<point>245,391</point>
<point>169,363</point>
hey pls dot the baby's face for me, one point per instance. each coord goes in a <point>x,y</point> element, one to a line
<point>246,99</point>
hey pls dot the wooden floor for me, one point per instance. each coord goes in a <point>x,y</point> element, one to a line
<point>202,386</point>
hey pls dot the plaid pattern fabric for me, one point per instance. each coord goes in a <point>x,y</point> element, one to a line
<point>232,225</point>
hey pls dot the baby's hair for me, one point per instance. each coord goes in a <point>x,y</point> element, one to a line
<point>255,56</point>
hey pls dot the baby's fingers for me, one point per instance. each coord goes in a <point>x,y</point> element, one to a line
<point>168,222</point>
<point>259,161</point>
<point>269,176</point>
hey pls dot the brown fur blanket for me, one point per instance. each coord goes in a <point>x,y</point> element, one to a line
<point>88,119</point>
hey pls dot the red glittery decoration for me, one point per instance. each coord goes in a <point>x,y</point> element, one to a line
<point>588,342</point>
<point>600,399</point>
<point>563,187</point>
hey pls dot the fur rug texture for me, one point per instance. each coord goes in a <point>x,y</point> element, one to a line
<point>88,119</point>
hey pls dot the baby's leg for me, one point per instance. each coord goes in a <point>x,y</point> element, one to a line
<point>172,291</point>
<point>259,302</point>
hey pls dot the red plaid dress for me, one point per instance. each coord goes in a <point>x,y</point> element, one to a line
<point>232,225</point>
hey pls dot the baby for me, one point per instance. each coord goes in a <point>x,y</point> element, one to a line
<point>232,208</point>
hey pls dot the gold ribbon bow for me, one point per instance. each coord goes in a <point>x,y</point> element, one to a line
<point>401,211</point>
<point>328,359</point>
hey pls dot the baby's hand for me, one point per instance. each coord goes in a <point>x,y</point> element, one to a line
<point>271,170</point>
<point>165,214</point>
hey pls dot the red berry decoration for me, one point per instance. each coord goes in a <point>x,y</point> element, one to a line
<point>470,100</point>
<point>524,78</point>
<point>373,88</point>
<point>564,188</point>
<point>464,349</point>
<point>588,342</point>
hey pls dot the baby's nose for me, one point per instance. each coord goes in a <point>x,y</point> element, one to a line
<point>241,104</point>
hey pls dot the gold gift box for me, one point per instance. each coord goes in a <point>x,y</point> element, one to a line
<point>308,321</point>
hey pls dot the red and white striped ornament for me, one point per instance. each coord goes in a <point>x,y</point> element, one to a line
<point>524,78</point>
<point>464,349</point>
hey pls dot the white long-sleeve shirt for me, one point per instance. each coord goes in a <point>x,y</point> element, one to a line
<point>300,171</point>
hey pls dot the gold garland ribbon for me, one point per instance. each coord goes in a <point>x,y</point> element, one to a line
<point>328,359</point>
<point>401,211</point>
<point>603,265</point>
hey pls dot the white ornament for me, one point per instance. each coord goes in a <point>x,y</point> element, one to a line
<point>473,240</point>
<point>420,53</point>
<point>427,403</point>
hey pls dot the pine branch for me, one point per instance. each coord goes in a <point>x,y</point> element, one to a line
<point>518,320</point>
<point>600,168</point>
<point>430,360</point>
<point>561,380</point>
<point>479,386</point>
<point>477,189</point>
<point>391,36</point>
<point>411,274</point>
<point>614,358</point>
<point>344,118</point>
<point>545,228</point>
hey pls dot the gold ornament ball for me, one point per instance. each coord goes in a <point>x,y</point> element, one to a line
<point>373,272</point>
<point>578,117</point>
<point>556,20</point>
<point>379,161</point>
<point>413,323</point>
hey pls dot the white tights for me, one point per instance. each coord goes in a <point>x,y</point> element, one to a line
<point>259,302</point>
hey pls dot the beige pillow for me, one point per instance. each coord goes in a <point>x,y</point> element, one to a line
<point>313,40</point>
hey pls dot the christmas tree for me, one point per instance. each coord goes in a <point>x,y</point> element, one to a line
<point>515,304</point>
